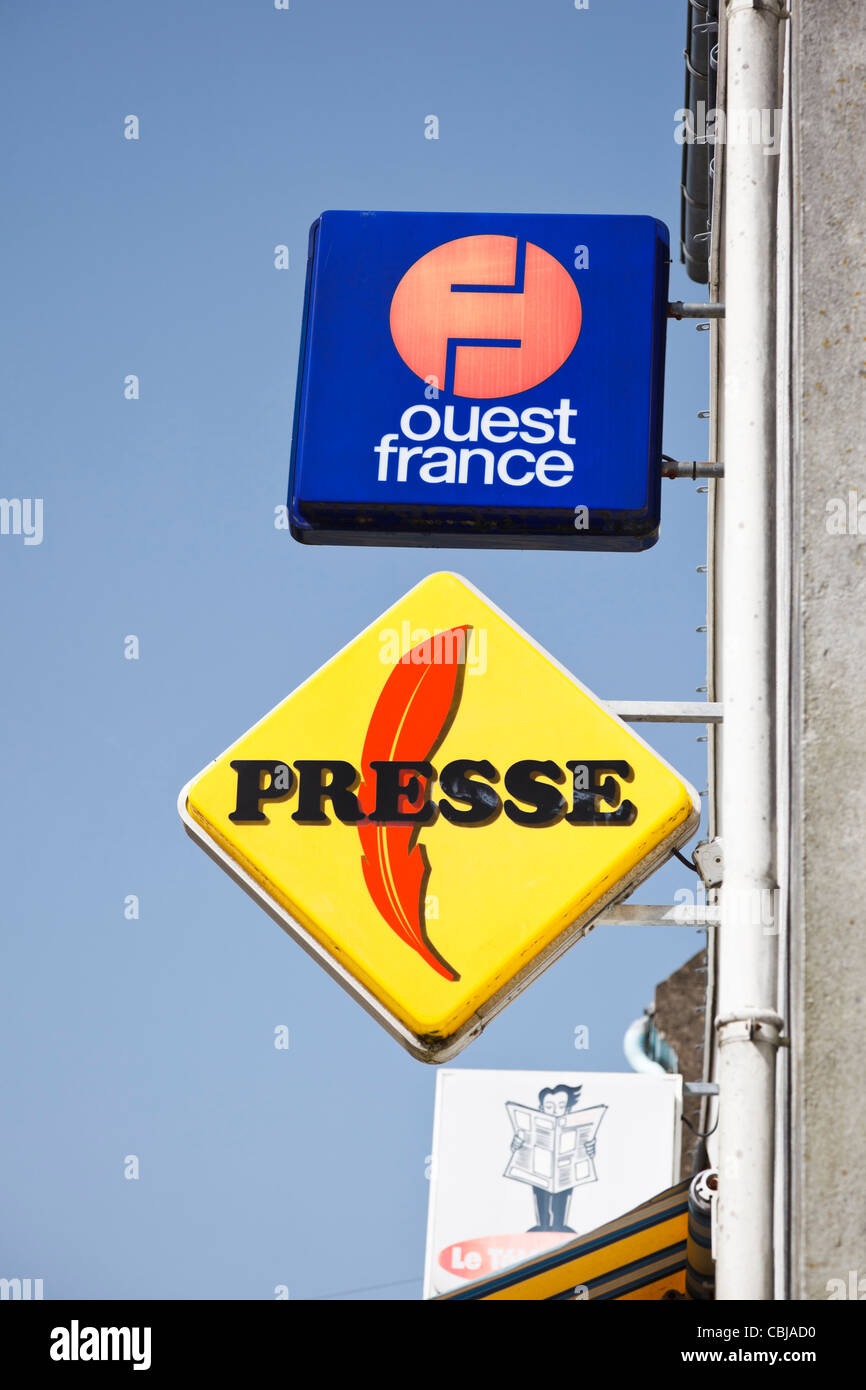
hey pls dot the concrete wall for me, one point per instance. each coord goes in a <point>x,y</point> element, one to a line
<point>827,1011</point>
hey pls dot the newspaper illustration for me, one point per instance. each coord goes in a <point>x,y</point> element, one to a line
<point>554,1151</point>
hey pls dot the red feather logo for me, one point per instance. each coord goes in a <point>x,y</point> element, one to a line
<point>412,715</point>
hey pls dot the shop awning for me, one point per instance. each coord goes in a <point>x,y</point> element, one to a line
<point>641,1255</point>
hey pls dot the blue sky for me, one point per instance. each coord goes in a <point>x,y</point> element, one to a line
<point>156,257</point>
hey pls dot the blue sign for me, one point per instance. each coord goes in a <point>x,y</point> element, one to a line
<point>476,379</point>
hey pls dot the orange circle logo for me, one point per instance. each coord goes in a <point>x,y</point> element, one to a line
<point>485,316</point>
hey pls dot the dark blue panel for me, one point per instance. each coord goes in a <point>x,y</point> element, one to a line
<point>594,485</point>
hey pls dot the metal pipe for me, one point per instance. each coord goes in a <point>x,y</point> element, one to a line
<point>659,915</point>
<point>674,468</point>
<point>748,1028</point>
<point>634,1046</point>
<point>677,309</point>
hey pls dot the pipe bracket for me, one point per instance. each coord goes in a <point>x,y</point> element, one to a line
<point>751,1025</point>
<point>775,8</point>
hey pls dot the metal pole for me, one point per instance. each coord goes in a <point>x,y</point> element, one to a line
<point>674,468</point>
<point>748,1028</point>
<point>667,711</point>
<point>678,310</point>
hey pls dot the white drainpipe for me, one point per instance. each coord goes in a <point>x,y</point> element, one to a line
<point>748,1027</point>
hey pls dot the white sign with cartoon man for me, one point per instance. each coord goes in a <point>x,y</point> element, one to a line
<point>590,1146</point>
<point>554,1149</point>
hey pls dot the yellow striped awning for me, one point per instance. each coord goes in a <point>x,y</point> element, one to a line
<point>641,1255</point>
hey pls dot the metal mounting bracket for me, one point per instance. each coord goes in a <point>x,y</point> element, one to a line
<point>674,468</point>
<point>677,309</point>
<point>710,862</point>
<point>667,711</point>
<point>660,915</point>
<point>750,1025</point>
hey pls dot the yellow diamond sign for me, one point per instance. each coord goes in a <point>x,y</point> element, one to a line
<point>438,813</point>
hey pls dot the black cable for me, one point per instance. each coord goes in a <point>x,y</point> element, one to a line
<point>688,863</point>
<point>687,1121</point>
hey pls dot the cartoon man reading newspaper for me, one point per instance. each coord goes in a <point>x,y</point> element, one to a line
<point>553,1149</point>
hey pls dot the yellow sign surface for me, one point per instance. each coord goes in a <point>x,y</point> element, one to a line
<point>438,813</point>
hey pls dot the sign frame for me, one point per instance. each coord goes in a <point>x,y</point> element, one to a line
<point>618,358</point>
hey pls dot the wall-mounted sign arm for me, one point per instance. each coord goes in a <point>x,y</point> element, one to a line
<point>667,711</point>
<point>690,468</point>
<point>660,915</point>
<point>700,1088</point>
<point>677,309</point>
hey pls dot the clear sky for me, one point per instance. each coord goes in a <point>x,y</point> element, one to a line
<point>155,257</point>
